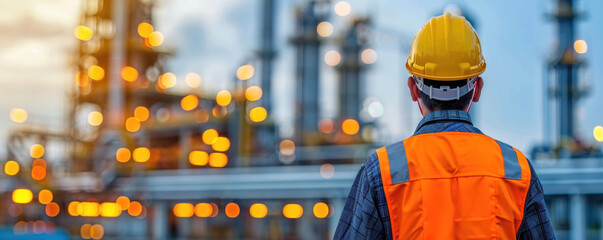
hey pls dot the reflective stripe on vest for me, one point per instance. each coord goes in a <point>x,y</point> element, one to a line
<point>454,186</point>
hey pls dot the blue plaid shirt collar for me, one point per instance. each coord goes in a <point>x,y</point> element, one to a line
<point>446,121</point>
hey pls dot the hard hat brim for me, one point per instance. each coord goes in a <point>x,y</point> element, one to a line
<point>413,71</point>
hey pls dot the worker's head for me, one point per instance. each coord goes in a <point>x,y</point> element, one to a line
<point>445,62</point>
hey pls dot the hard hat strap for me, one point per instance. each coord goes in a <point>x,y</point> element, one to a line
<point>445,93</point>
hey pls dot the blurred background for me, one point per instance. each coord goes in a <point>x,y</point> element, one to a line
<point>249,119</point>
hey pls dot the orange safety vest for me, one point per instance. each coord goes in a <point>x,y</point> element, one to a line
<point>454,185</point>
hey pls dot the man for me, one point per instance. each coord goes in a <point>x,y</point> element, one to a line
<point>449,180</point>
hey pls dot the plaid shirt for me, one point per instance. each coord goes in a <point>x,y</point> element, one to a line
<point>365,215</point>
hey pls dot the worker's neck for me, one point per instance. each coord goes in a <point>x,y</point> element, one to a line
<point>426,111</point>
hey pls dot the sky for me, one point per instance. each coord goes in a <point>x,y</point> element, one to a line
<point>213,38</point>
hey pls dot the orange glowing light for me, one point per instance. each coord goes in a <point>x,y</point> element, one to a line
<point>223,98</point>
<point>95,118</point>
<point>258,210</point>
<point>198,158</point>
<point>123,155</point>
<point>135,208</point>
<point>222,144</point>
<point>145,29</point>
<point>18,115</point>
<point>201,116</point>
<point>11,168</point>
<point>97,231</point>
<point>141,113</point>
<point>258,114</point>
<point>245,72</point>
<point>287,147</point>
<point>293,210</point>
<point>36,151</point>
<point>38,172</point>
<point>189,102</point>
<point>141,154</point>
<point>45,196</point>
<point>72,208</point>
<point>52,209</point>
<point>210,136</point>
<point>324,29</point>
<point>350,127</point>
<point>129,74</point>
<point>232,210</point>
<point>168,80</point>
<point>580,46</point>
<point>368,56</point>
<point>203,210</point>
<point>22,196</point>
<point>253,93</point>
<point>83,33</point>
<point>321,210</point>
<point>96,72</point>
<point>88,209</point>
<point>132,124</point>
<point>155,38</point>
<point>110,209</point>
<point>85,231</point>
<point>39,162</point>
<point>124,202</point>
<point>184,210</point>
<point>218,160</point>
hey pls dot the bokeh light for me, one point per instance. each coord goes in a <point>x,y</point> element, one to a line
<point>287,147</point>
<point>123,155</point>
<point>218,160</point>
<point>580,46</point>
<point>258,210</point>
<point>97,231</point>
<point>124,202</point>
<point>342,8</point>
<point>222,144</point>
<point>332,58</point>
<point>326,126</point>
<point>11,168</point>
<point>245,72</point>
<point>52,209</point>
<point>368,56</point>
<point>18,115</point>
<point>193,80</point>
<point>38,173</point>
<point>22,196</point>
<point>327,170</point>
<point>45,196</point>
<point>350,126</point>
<point>83,33</point>
<point>198,158</point>
<point>36,151</point>
<point>96,72</point>
<point>223,98</point>
<point>95,118</point>
<point>141,154</point>
<point>155,39</point>
<point>145,29</point>
<point>135,208</point>
<point>232,210</point>
<point>129,74</point>
<point>210,136</point>
<point>293,210</point>
<point>184,210</point>
<point>110,209</point>
<point>253,93</point>
<point>167,80</point>
<point>189,102</point>
<point>321,210</point>
<point>132,124</point>
<point>141,113</point>
<point>258,114</point>
<point>324,29</point>
<point>85,231</point>
<point>203,210</point>
<point>598,133</point>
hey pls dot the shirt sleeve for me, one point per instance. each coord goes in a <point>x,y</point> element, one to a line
<point>536,223</point>
<point>360,218</point>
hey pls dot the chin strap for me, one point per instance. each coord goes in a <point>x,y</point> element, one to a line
<point>445,93</point>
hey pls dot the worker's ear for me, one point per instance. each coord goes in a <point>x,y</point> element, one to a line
<point>479,84</point>
<point>414,90</point>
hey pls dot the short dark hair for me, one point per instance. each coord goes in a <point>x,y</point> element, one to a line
<point>461,104</point>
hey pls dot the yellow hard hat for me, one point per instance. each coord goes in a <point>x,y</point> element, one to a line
<point>446,48</point>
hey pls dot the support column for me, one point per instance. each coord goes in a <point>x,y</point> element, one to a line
<point>160,220</point>
<point>577,217</point>
<point>337,204</point>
